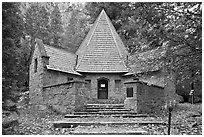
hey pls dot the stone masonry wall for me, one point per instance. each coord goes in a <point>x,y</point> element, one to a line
<point>131,102</point>
<point>65,97</point>
<point>36,78</point>
<point>150,99</point>
<point>81,95</point>
<point>114,96</point>
<point>52,77</point>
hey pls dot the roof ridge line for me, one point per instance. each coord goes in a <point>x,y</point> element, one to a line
<point>88,32</point>
<point>89,40</point>
<point>115,42</point>
<point>61,49</point>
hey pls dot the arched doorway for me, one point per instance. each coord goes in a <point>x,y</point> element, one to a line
<point>103,88</point>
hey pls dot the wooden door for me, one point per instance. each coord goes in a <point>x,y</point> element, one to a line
<point>103,89</point>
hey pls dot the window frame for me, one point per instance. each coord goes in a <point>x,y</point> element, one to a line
<point>129,92</point>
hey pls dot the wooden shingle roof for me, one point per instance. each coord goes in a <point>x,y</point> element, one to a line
<point>102,50</point>
<point>59,59</point>
<point>148,61</point>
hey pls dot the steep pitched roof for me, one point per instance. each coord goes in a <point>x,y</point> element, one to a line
<point>102,50</point>
<point>147,61</point>
<point>59,59</point>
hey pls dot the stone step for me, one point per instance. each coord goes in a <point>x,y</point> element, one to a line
<point>70,124</point>
<point>105,113</point>
<point>109,130</point>
<point>142,132</point>
<point>124,116</point>
<point>105,105</point>
<point>107,110</point>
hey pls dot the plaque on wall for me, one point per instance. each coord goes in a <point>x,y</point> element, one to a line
<point>103,85</point>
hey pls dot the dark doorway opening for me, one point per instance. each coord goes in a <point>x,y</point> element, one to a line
<point>103,89</point>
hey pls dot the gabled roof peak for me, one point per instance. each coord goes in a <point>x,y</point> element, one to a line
<point>103,11</point>
<point>102,50</point>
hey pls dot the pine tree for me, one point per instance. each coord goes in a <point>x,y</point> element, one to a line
<point>77,28</point>
<point>37,22</point>
<point>44,25</point>
<point>12,30</point>
<point>56,24</point>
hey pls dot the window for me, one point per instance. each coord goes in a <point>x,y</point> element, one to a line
<point>88,84</point>
<point>117,85</point>
<point>130,92</point>
<point>35,65</point>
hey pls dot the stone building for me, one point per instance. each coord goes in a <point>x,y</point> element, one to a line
<point>101,71</point>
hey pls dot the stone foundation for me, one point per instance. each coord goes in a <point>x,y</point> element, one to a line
<point>66,97</point>
<point>150,99</point>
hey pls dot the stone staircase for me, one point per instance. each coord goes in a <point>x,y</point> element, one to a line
<point>102,115</point>
<point>114,110</point>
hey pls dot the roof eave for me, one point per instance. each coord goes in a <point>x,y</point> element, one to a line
<point>51,68</point>
<point>84,71</point>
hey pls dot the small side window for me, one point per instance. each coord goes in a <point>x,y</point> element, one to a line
<point>130,92</point>
<point>117,85</point>
<point>35,65</point>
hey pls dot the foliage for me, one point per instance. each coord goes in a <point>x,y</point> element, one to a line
<point>186,48</point>
<point>11,33</point>
<point>36,21</point>
<point>12,71</point>
<point>56,24</point>
<point>76,29</point>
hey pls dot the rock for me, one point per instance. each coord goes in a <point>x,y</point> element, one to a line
<point>41,107</point>
<point>6,113</point>
<point>59,109</point>
<point>46,132</point>
<point>53,100</point>
<point>195,124</point>
<point>199,120</point>
<point>172,131</point>
<point>130,103</point>
<point>193,114</point>
<point>177,98</point>
<point>9,103</point>
<point>10,123</point>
